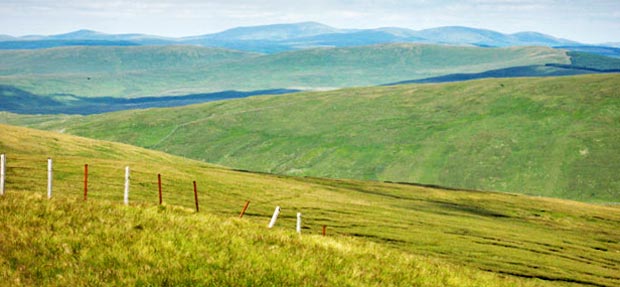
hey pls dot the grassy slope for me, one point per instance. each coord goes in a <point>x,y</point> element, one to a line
<point>581,63</point>
<point>550,136</point>
<point>115,59</point>
<point>68,243</point>
<point>593,61</point>
<point>192,72</point>
<point>109,71</point>
<point>511,72</point>
<point>556,241</point>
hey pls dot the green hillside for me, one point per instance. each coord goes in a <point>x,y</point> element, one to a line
<point>555,137</point>
<point>111,71</point>
<point>114,59</point>
<point>59,245</point>
<point>154,71</point>
<point>594,62</point>
<point>580,63</point>
<point>378,234</point>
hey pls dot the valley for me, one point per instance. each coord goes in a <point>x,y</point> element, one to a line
<point>554,136</point>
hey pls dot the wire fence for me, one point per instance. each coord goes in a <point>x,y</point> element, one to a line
<point>22,172</point>
<point>105,180</point>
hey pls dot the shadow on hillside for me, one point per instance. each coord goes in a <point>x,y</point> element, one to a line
<point>19,101</point>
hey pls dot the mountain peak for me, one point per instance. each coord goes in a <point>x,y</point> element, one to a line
<point>536,38</point>
<point>85,31</point>
<point>463,35</point>
<point>83,34</point>
<point>275,31</point>
<point>6,37</point>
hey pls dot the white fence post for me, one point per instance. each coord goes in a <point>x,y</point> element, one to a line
<point>274,217</point>
<point>2,172</point>
<point>49,178</point>
<point>126,185</point>
<point>298,222</point>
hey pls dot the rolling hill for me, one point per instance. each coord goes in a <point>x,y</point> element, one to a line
<point>94,60</point>
<point>277,38</point>
<point>611,51</point>
<point>581,63</point>
<point>155,71</point>
<point>540,136</point>
<point>274,32</point>
<point>549,70</point>
<point>592,62</point>
<point>378,233</point>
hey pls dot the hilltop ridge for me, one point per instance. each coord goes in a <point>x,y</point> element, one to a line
<point>281,37</point>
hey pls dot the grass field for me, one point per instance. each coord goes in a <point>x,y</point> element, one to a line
<point>540,136</point>
<point>155,71</point>
<point>379,233</point>
<point>66,242</point>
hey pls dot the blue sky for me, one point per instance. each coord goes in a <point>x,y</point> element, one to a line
<point>594,21</point>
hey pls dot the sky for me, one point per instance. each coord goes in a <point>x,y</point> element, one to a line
<point>593,21</point>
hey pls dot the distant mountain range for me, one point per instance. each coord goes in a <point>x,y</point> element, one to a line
<point>295,36</point>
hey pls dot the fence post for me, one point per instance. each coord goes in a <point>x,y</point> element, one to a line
<point>245,207</point>
<point>49,178</point>
<point>196,196</point>
<point>298,229</point>
<point>85,182</point>
<point>324,228</point>
<point>2,172</point>
<point>159,185</point>
<point>274,217</point>
<point>126,197</point>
